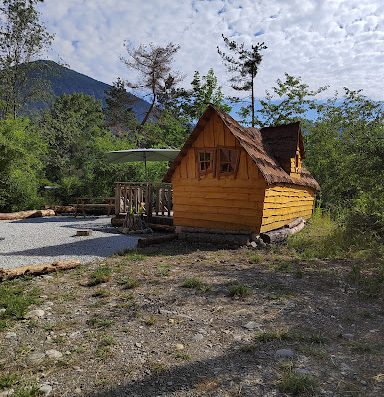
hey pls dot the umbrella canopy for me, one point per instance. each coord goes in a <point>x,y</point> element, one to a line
<point>144,155</point>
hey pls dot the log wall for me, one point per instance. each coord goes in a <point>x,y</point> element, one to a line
<point>232,202</point>
<point>282,204</point>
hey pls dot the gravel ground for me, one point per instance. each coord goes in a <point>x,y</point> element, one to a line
<point>47,240</point>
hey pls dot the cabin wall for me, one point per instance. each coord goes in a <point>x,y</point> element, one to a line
<point>282,204</point>
<point>228,203</point>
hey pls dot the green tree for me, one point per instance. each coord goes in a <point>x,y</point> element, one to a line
<point>289,101</point>
<point>154,65</point>
<point>244,66</point>
<point>22,38</point>
<point>119,116</point>
<point>345,151</point>
<point>21,167</point>
<point>204,90</point>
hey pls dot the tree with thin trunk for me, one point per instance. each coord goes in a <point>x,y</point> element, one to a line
<point>22,39</point>
<point>154,66</point>
<point>244,65</point>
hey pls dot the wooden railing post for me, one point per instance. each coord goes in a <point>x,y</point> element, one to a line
<point>117,199</point>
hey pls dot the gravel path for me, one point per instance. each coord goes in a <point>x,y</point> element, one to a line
<point>46,240</point>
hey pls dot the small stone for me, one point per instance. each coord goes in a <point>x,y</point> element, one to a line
<point>7,393</point>
<point>179,346</point>
<point>237,338</point>
<point>37,313</point>
<point>284,353</point>
<point>49,303</point>
<point>75,334</point>
<point>171,321</point>
<point>197,337</point>
<point>302,371</point>
<point>54,354</point>
<point>251,325</point>
<point>35,358</point>
<point>348,336</point>
<point>44,296</point>
<point>78,390</point>
<point>138,344</point>
<point>10,335</point>
<point>2,311</point>
<point>253,244</point>
<point>45,389</point>
<point>68,353</point>
<point>48,277</point>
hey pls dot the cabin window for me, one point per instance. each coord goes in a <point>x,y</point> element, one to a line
<point>205,161</point>
<point>229,161</point>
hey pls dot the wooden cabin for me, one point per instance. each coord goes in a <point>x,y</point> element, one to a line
<point>232,178</point>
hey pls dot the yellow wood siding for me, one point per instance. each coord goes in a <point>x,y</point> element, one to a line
<point>228,202</point>
<point>283,204</point>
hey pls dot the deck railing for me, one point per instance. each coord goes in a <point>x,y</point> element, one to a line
<point>147,198</point>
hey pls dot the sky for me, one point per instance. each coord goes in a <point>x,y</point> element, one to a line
<point>326,42</point>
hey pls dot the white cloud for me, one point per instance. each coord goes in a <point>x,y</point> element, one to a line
<point>335,42</point>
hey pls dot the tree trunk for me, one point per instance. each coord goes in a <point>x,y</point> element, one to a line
<point>253,101</point>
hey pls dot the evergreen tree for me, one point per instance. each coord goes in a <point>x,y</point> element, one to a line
<point>244,66</point>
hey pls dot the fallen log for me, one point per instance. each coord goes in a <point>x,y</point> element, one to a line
<point>37,270</point>
<point>294,223</point>
<point>281,235</point>
<point>12,216</point>
<point>145,242</point>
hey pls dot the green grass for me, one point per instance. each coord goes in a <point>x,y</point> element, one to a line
<point>132,256</point>
<point>101,293</point>
<point>255,258</point>
<point>101,275</point>
<point>297,384</point>
<point>7,381</point>
<point>129,282</point>
<point>150,320</point>
<point>163,270</point>
<point>239,290</point>
<point>195,283</point>
<point>99,322</point>
<point>15,299</point>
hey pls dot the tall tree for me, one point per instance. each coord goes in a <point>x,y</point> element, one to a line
<point>289,102</point>
<point>204,90</point>
<point>154,65</point>
<point>118,112</point>
<point>22,39</point>
<point>243,64</point>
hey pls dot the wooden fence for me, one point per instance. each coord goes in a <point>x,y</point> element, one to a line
<point>149,199</point>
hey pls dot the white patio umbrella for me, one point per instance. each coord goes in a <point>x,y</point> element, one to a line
<point>142,155</point>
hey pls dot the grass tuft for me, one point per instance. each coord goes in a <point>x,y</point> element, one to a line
<point>297,384</point>
<point>101,275</point>
<point>195,283</point>
<point>239,290</point>
<point>129,282</point>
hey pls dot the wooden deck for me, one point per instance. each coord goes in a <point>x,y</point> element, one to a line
<point>153,201</point>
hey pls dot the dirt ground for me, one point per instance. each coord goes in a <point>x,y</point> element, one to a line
<point>188,320</point>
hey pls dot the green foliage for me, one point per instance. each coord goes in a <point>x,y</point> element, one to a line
<point>129,282</point>
<point>288,103</point>
<point>15,299</point>
<point>195,283</point>
<point>239,290</point>
<point>345,151</point>
<point>101,275</point>
<point>296,383</point>
<point>204,90</point>
<point>243,64</point>
<point>77,146</point>
<point>21,167</point>
<point>22,38</point>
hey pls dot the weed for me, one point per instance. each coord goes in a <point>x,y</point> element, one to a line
<point>255,258</point>
<point>132,256</point>
<point>101,293</point>
<point>269,336</point>
<point>100,275</point>
<point>239,290</point>
<point>151,320</point>
<point>129,282</point>
<point>97,322</point>
<point>355,273</point>
<point>27,391</point>
<point>163,270</point>
<point>284,267</point>
<point>6,381</point>
<point>296,384</point>
<point>195,283</point>
<point>183,356</point>
<point>361,347</point>
<point>248,348</point>
<point>68,296</point>
<point>157,368</point>
<point>107,341</point>
<point>15,299</point>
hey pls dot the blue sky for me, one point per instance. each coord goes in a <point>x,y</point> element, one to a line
<point>334,42</point>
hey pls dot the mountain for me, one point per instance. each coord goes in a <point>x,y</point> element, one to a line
<point>67,81</point>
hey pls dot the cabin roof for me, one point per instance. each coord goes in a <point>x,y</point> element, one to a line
<point>261,149</point>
